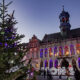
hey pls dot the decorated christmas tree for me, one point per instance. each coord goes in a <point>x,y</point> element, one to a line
<point>10,53</point>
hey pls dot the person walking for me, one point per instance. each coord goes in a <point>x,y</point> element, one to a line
<point>60,77</point>
<point>49,76</point>
<point>44,73</point>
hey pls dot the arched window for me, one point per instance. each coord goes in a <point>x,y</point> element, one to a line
<point>46,63</point>
<point>50,52</point>
<point>79,62</point>
<point>72,49</point>
<point>55,51</point>
<point>41,53</point>
<point>78,48</point>
<point>66,50</point>
<point>51,63</point>
<point>56,63</point>
<point>60,51</point>
<point>46,52</point>
<point>41,64</point>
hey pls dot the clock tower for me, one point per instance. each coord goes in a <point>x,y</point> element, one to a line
<point>64,23</point>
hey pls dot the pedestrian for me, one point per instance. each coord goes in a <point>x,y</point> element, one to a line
<point>47,74</point>
<point>50,76</point>
<point>44,73</point>
<point>60,77</point>
<point>67,73</point>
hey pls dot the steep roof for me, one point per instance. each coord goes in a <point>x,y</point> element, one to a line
<point>74,33</point>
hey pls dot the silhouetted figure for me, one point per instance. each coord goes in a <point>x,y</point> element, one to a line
<point>44,73</point>
<point>59,77</point>
<point>40,72</point>
<point>77,74</point>
<point>49,76</point>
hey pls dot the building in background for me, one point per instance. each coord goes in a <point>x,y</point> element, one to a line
<point>54,48</point>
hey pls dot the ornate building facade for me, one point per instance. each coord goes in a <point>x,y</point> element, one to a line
<point>54,48</point>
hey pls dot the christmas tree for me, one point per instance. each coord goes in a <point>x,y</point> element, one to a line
<point>10,54</point>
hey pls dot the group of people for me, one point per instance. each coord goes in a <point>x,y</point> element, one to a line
<point>48,74</point>
<point>50,77</point>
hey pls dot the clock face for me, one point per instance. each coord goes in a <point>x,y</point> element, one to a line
<point>63,19</point>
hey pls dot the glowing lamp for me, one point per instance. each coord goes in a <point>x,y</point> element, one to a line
<point>67,53</point>
<point>37,65</point>
<point>56,54</point>
<point>50,54</point>
<point>32,74</point>
<point>2,32</point>
<point>78,52</point>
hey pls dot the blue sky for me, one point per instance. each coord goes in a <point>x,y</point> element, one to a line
<point>41,17</point>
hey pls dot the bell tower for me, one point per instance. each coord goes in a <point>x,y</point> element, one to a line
<point>64,23</point>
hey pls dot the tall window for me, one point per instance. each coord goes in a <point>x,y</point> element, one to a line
<point>79,62</point>
<point>41,53</point>
<point>46,52</point>
<point>41,64</point>
<point>51,63</point>
<point>32,55</point>
<point>72,49</point>
<point>50,52</point>
<point>66,50</point>
<point>78,48</point>
<point>37,55</point>
<point>60,51</point>
<point>46,63</point>
<point>56,63</point>
<point>55,51</point>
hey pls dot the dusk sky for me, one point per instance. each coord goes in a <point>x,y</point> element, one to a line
<point>41,17</point>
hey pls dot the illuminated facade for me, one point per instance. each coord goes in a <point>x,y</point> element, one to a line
<point>50,51</point>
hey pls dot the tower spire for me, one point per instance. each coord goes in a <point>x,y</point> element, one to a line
<point>64,23</point>
<point>63,7</point>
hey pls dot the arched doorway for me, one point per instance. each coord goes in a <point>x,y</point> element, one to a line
<point>50,63</point>
<point>56,63</point>
<point>46,63</point>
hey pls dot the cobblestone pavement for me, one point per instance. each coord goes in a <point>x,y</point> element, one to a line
<point>54,78</point>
